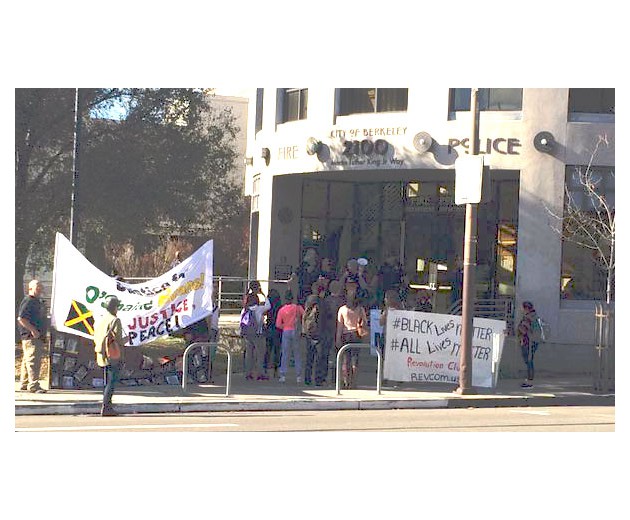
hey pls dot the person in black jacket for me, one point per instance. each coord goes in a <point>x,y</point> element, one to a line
<point>32,323</point>
<point>273,334</point>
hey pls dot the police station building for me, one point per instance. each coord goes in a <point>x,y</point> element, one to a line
<point>370,172</point>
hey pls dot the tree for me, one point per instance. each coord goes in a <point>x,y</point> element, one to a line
<point>589,218</point>
<point>161,169</point>
<point>43,166</point>
<point>152,263</point>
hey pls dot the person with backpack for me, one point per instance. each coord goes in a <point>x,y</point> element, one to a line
<point>252,319</point>
<point>272,334</point>
<point>529,335</point>
<point>108,328</point>
<point>312,330</point>
<point>289,320</point>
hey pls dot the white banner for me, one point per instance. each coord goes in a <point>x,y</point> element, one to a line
<point>425,347</point>
<point>147,310</point>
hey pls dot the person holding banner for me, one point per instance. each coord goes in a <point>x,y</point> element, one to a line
<point>109,325</point>
<point>392,301</point>
<point>32,325</point>
<point>351,328</point>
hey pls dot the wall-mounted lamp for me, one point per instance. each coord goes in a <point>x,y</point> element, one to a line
<point>266,155</point>
<point>544,142</point>
<point>313,146</point>
<point>422,142</point>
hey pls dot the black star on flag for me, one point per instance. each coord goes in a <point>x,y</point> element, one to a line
<point>80,318</point>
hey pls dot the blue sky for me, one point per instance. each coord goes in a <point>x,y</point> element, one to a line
<point>117,111</point>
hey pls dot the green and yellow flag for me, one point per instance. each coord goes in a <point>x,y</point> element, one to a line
<point>80,318</point>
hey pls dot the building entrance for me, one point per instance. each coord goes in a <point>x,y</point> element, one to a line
<point>418,224</point>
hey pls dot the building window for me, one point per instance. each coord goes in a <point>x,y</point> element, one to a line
<point>294,104</point>
<point>255,192</point>
<point>586,235</point>
<point>366,100</point>
<point>489,99</point>
<point>259,108</point>
<point>592,100</point>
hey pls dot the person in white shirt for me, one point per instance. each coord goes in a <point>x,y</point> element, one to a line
<point>254,336</point>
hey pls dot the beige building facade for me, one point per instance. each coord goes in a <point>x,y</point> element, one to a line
<point>371,172</point>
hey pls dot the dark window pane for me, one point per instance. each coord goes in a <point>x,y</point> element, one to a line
<point>294,104</point>
<point>291,104</point>
<point>303,103</point>
<point>504,98</point>
<point>356,100</point>
<point>392,99</point>
<point>592,100</point>
<point>259,108</point>
<point>583,272</point>
<point>487,98</point>
<point>459,99</point>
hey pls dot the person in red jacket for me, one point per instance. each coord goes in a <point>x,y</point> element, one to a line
<point>289,321</point>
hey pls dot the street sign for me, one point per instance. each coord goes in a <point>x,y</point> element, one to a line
<point>468,177</point>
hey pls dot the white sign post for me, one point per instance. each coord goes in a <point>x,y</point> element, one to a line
<point>468,178</point>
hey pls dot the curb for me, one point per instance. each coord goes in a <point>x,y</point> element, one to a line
<point>315,405</point>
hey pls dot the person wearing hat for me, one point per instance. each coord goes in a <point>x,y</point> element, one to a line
<point>302,279</point>
<point>355,278</point>
<point>350,278</point>
<point>103,326</point>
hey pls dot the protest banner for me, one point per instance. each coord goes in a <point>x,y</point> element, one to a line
<point>148,310</point>
<point>425,347</point>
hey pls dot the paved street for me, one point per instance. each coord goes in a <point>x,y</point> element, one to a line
<point>515,419</point>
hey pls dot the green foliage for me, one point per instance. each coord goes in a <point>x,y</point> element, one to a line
<point>164,168</point>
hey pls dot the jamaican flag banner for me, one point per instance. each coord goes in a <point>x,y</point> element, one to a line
<point>147,310</point>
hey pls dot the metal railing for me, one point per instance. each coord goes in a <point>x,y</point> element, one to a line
<point>604,363</point>
<point>230,289</point>
<point>493,308</point>
<point>200,344</point>
<point>360,345</point>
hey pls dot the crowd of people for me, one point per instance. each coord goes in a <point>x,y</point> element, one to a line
<point>301,332</point>
<point>321,311</point>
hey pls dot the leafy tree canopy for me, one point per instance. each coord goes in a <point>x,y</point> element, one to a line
<point>165,165</point>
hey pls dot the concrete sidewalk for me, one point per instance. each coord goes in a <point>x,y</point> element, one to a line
<point>550,390</point>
